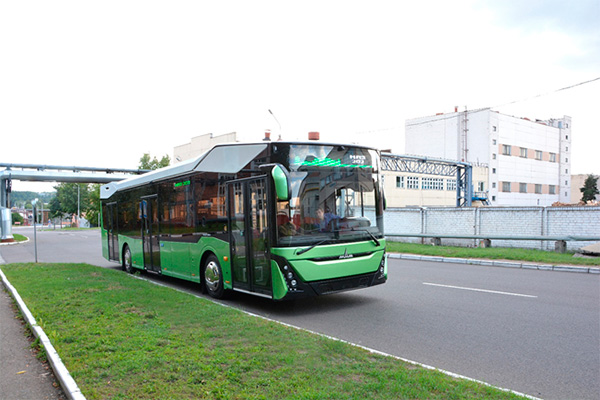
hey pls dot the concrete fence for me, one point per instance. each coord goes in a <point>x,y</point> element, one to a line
<point>495,222</point>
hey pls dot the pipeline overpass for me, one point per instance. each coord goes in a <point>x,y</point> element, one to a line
<point>49,173</point>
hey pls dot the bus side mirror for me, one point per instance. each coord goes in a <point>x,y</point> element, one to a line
<point>281,179</point>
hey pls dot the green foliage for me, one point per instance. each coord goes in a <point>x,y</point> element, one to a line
<point>24,198</point>
<point>125,338</point>
<point>93,211</point>
<point>16,217</point>
<point>69,197</point>
<point>590,188</point>
<point>147,163</point>
<point>66,201</point>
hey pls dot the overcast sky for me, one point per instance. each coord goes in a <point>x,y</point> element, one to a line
<point>100,83</point>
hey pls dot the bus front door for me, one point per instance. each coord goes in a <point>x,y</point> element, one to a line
<point>149,212</point>
<point>250,261</point>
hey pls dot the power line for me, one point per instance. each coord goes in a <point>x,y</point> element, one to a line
<point>453,115</point>
<point>548,93</point>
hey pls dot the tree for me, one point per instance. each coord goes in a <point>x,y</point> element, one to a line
<point>147,163</point>
<point>17,219</point>
<point>93,211</point>
<point>68,201</point>
<point>589,189</point>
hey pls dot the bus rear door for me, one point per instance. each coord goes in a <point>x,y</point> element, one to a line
<point>250,261</point>
<point>149,211</point>
<point>111,231</point>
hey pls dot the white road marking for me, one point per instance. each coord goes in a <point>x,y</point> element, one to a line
<point>480,290</point>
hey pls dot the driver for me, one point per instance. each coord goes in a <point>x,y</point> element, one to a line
<point>325,218</point>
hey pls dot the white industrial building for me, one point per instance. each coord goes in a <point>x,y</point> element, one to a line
<point>200,144</point>
<point>528,161</point>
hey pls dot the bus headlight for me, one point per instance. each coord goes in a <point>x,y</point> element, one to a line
<point>293,283</point>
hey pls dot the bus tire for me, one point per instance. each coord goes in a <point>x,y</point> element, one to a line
<point>213,277</point>
<point>127,263</point>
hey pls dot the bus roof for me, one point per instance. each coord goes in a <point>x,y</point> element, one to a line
<point>226,158</point>
<point>223,158</point>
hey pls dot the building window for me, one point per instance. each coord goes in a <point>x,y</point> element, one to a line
<point>412,182</point>
<point>566,170</point>
<point>426,183</point>
<point>506,186</point>
<point>493,185</point>
<point>566,160</point>
<point>523,152</point>
<point>552,157</point>
<point>494,128</point>
<point>493,156</point>
<point>451,184</point>
<point>494,142</point>
<point>493,198</point>
<point>493,170</point>
<point>480,186</point>
<point>552,189</point>
<point>522,187</point>
<point>400,182</point>
<point>566,148</point>
<point>506,150</point>
<point>566,183</point>
<point>538,188</point>
<point>538,155</point>
<point>566,137</point>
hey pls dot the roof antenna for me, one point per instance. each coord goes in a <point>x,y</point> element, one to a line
<point>271,112</point>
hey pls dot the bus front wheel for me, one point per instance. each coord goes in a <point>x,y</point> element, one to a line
<point>127,267</point>
<point>213,277</point>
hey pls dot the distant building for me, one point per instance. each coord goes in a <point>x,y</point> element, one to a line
<point>409,189</point>
<point>577,182</point>
<point>528,161</point>
<point>199,145</point>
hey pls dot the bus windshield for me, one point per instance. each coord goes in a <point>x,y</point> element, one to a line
<point>336,195</point>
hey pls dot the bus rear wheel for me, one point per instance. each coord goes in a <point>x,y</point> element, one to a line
<point>127,264</point>
<point>213,277</point>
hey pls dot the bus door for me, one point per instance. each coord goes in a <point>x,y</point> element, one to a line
<point>250,261</point>
<point>149,213</point>
<point>111,231</point>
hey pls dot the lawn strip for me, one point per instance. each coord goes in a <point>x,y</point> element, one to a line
<point>125,338</point>
<point>493,253</point>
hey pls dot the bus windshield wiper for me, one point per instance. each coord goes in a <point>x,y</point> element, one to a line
<point>311,247</point>
<point>368,233</point>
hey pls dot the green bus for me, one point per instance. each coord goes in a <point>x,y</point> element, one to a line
<point>281,220</point>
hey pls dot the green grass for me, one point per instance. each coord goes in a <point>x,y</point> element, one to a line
<point>125,338</point>
<point>494,253</point>
<point>19,238</point>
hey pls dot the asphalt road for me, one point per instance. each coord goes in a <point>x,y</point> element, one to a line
<point>536,332</point>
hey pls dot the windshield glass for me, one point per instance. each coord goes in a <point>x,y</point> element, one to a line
<point>335,198</point>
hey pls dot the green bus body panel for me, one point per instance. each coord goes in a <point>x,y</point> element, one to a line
<point>137,250</point>
<point>178,259</point>
<point>104,235</point>
<point>280,287</point>
<point>310,270</point>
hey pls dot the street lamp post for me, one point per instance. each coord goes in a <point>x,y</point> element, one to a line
<point>34,204</point>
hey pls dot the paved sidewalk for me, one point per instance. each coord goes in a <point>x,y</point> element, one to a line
<point>22,375</point>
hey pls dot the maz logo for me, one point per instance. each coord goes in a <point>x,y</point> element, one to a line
<point>346,255</point>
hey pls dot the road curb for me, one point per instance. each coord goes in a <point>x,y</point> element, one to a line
<point>493,263</point>
<point>60,371</point>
